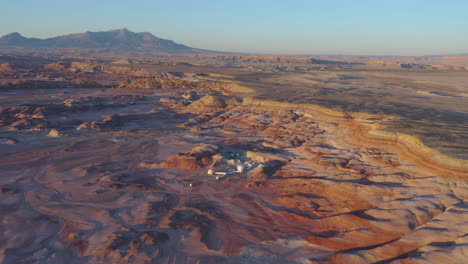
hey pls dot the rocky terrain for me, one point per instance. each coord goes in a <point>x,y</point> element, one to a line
<point>170,162</point>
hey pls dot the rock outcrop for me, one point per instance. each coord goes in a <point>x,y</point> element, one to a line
<point>56,133</point>
<point>198,157</point>
<point>5,68</point>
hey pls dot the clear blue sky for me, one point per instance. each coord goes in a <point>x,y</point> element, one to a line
<point>385,27</point>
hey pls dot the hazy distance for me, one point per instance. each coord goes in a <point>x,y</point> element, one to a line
<point>295,27</point>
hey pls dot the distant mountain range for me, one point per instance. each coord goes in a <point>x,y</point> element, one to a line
<point>121,40</point>
<point>113,40</point>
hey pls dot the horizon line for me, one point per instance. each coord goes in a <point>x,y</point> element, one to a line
<point>462,54</point>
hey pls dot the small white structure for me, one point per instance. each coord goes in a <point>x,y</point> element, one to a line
<point>220,174</point>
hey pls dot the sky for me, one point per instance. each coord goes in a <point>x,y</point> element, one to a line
<point>355,27</point>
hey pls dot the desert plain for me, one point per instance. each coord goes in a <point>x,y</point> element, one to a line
<point>233,159</point>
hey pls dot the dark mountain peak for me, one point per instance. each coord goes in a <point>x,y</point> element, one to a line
<point>118,30</point>
<point>15,39</point>
<point>13,36</point>
<point>125,33</point>
<point>112,40</point>
<point>125,30</point>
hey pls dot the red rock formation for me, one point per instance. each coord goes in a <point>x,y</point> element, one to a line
<point>198,157</point>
